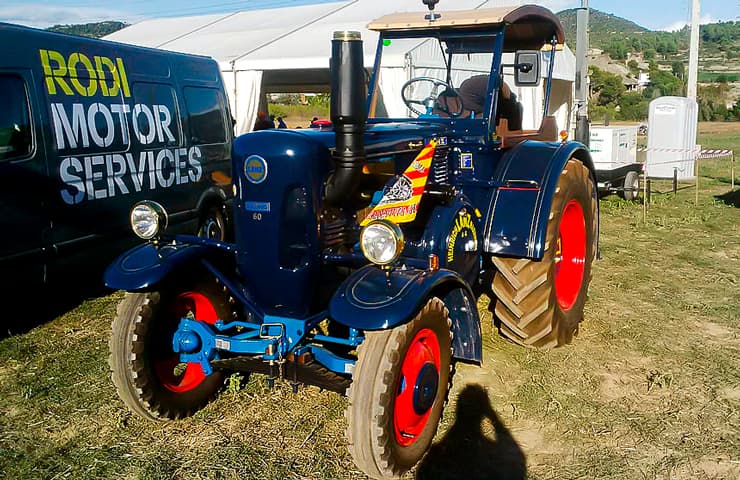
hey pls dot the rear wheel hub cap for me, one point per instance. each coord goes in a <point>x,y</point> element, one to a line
<point>570,255</point>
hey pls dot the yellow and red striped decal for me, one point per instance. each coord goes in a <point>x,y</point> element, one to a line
<point>400,202</point>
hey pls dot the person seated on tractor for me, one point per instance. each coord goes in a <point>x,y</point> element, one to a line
<point>263,122</point>
<point>473,93</point>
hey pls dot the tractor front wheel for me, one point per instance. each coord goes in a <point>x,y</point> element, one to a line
<point>540,303</point>
<point>147,373</point>
<point>398,391</point>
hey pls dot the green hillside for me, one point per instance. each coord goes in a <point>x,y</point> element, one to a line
<point>94,30</point>
<point>603,26</point>
<point>618,36</point>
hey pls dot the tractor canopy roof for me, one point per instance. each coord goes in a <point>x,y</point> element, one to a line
<point>528,27</point>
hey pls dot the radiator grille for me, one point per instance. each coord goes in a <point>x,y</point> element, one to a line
<point>440,173</point>
<point>335,231</point>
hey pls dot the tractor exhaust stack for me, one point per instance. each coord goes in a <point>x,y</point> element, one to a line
<point>348,114</point>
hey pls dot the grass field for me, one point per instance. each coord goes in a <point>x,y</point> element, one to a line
<point>650,389</point>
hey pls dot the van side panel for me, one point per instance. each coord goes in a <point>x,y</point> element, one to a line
<point>25,186</point>
<point>119,124</point>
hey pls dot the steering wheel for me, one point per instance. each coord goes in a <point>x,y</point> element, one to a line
<point>432,101</point>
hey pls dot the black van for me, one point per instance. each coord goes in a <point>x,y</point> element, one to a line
<point>87,129</point>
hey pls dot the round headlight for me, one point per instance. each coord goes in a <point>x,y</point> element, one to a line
<point>381,242</point>
<point>148,219</point>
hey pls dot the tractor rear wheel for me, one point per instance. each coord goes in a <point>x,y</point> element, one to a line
<point>146,371</point>
<point>398,391</point>
<point>540,303</point>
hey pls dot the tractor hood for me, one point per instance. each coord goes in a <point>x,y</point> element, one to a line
<point>384,138</point>
<point>280,178</point>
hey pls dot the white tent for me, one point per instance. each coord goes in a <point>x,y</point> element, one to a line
<point>288,49</point>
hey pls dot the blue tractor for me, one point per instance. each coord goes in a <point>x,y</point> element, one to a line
<point>361,249</point>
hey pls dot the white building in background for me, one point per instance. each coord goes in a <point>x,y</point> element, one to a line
<point>643,80</point>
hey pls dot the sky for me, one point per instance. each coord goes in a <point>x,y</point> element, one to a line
<point>653,14</point>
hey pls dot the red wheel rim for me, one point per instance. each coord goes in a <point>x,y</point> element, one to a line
<point>570,256</point>
<point>192,375</point>
<point>417,387</point>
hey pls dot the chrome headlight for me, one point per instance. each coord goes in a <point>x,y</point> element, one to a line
<point>148,219</point>
<point>381,242</point>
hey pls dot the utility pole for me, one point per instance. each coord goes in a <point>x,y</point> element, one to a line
<point>582,126</point>
<point>694,50</point>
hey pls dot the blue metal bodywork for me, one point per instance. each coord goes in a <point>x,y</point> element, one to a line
<point>518,210</point>
<point>375,299</point>
<point>145,267</point>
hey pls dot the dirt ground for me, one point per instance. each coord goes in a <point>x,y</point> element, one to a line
<point>719,128</point>
<point>650,388</point>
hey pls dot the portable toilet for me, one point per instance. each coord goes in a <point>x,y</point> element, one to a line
<point>672,138</point>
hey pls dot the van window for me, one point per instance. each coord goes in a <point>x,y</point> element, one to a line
<point>205,108</point>
<point>15,121</point>
<point>155,116</point>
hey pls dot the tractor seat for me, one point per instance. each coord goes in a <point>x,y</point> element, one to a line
<point>548,132</point>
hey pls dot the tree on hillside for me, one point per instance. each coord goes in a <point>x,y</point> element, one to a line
<point>722,34</point>
<point>679,70</point>
<point>634,67</point>
<point>633,106</point>
<point>94,30</point>
<point>712,101</point>
<point>617,49</point>
<point>663,83</point>
<point>607,86</point>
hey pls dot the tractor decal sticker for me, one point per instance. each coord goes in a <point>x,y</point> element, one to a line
<point>262,207</point>
<point>466,161</point>
<point>401,190</point>
<point>255,169</point>
<point>400,201</point>
<point>464,233</point>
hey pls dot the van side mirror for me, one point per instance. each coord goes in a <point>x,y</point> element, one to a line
<point>527,68</point>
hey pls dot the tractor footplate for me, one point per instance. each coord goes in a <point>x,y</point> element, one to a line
<point>311,373</point>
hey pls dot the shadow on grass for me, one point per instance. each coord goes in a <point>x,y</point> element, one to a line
<point>467,453</point>
<point>33,307</point>
<point>730,198</point>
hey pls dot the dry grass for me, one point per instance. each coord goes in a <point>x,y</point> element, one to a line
<point>650,389</point>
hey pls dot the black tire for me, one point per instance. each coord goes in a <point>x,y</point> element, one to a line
<point>385,438</point>
<point>143,364</point>
<point>213,224</point>
<point>631,186</point>
<point>529,309</point>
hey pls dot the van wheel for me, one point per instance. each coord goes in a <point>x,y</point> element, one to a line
<point>213,224</point>
<point>540,303</point>
<point>398,391</point>
<point>146,371</point>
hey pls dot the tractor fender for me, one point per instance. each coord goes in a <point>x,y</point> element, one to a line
<point>519,209</point>
<point>453,233</point>
<point>375,299</point>
<point>145,267</point>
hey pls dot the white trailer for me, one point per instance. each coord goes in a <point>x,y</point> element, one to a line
<point>614,152</point>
